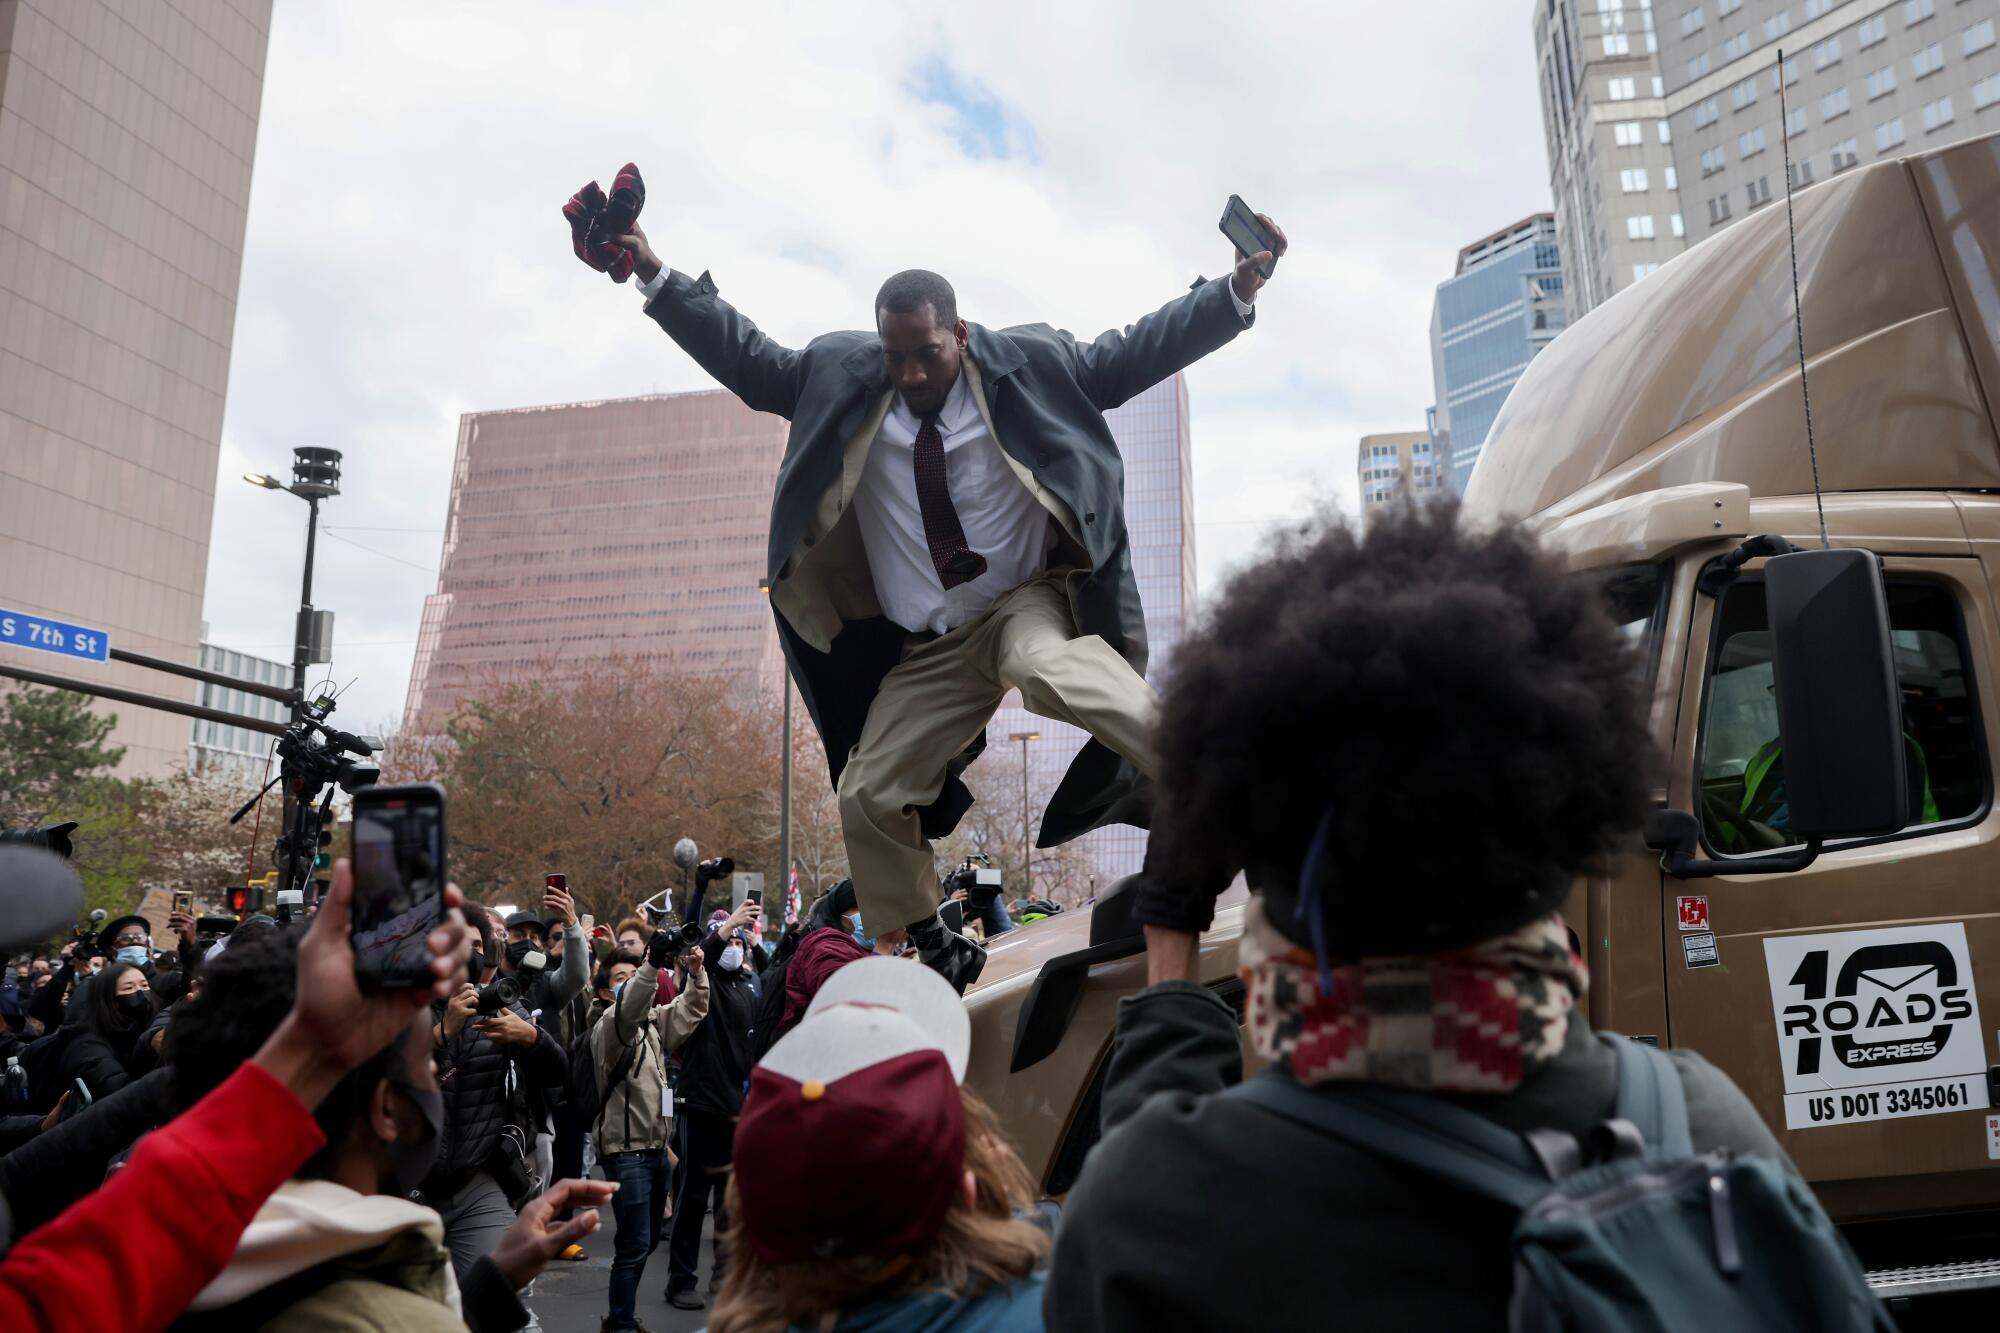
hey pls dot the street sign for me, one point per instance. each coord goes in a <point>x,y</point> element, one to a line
<point>53,636</point>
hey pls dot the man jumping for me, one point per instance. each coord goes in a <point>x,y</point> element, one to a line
<point>948,525</point>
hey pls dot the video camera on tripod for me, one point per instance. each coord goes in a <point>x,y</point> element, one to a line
<point>313,756</point>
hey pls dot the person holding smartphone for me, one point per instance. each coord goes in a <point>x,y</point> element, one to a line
<point>950,525</point>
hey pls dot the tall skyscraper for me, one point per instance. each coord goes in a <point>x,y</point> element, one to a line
<point>1611,161</point>
<point>1403,463</point>
<point>1865,80</point>
<point>633,527</point>
<point>1152,434</point>
<point>127,132</point>
<point>1503,305</point>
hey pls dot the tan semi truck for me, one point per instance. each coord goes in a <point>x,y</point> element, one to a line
<point>1850,986</point>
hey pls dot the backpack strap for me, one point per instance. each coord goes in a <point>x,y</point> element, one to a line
<point>1650,1095</point>
<point>623,1065</point>
<point>1424,1133</point>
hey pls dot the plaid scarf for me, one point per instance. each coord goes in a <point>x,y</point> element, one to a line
<point>1473,1020</point>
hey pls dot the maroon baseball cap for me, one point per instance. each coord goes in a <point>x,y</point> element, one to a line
<point>852,1140</point>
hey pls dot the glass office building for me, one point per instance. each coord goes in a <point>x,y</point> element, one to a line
<point>238,752</point>
<point>1502,305</point>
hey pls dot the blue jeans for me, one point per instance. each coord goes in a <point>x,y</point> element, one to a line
<point>640,1176</point>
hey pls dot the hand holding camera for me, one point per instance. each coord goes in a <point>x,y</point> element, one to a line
<point>668,942</point>
<point>506,1027</point>
<point>463,1004</point>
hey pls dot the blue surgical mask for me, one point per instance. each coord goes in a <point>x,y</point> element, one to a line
<point>135,954</point>
<point>861,937</point>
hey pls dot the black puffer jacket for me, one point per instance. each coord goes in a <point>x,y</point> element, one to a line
<point>715,1063</point>
<point>472,1075</point>
<point>53,1170</point>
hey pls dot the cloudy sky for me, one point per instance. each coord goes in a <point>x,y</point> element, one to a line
<point>1062,161</point>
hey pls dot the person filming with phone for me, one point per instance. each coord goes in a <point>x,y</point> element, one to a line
<point>949,525</point>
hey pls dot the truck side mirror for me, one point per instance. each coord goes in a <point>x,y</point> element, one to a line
<point>1839,705</point>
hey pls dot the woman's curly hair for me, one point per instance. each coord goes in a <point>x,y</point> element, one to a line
<point>1455,706</point>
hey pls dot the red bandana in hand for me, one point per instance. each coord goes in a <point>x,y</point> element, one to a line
<point>595,222</point>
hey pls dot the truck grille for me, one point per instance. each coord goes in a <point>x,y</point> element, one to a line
<point>1930,1279</point>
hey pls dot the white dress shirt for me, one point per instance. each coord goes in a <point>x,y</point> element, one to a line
<point>1002,519</point>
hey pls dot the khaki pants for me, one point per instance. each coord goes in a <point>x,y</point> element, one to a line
<point>943,694</point>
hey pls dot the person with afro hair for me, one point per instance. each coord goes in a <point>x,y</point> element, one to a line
<point>1411,742</point>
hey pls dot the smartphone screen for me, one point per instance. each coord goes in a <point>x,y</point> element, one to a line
<point>953,915</point>
<point>753,896</point>
<point>1240,225</point>
<point>556,882</point>
<point>399,879</point>
<point>184,902</point>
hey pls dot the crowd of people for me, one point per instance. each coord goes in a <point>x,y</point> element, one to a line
<point>309,1153</point>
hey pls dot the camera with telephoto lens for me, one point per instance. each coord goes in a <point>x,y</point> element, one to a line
<point>498,993</point>
<point>680,938</point>
<point>979,880</point>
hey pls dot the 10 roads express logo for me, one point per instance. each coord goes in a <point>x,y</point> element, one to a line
<point>1888,1006</point>
<point>1874,1024</point>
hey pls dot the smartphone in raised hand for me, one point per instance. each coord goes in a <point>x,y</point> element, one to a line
<point>399,879</point>
<point>1247,234</point>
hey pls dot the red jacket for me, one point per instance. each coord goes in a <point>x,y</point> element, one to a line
<point>135,1252</point>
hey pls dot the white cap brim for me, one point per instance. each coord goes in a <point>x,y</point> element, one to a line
<point>911,989</point>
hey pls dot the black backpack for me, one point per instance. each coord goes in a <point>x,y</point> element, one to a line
<point>1648,1235</point>
<point>586,1093</point>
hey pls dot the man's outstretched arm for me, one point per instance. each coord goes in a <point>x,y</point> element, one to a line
<point>1122,364</point>
<point>722,341</point>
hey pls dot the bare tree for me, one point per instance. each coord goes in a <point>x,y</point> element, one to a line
<point>595,772</point>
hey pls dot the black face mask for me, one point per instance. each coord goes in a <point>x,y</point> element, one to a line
<point>135,1009</point>
<point>518,951</point>
<point>475,966</point>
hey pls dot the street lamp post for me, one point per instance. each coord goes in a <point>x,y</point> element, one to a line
<point>315,477</point>
<point>785,782</point>
<point>1027,873</point>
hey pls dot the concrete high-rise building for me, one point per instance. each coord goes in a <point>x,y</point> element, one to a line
<point>1398,464</point>
<point>1865,79</point>
<point>127,133</point>
<point>1153,436</point>
<point>217,747</point>
<point>1502,305</point>
<point>1611,161</point>
<point>632,528</point>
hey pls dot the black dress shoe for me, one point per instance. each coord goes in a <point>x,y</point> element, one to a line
<point>685,1300</point>
<point>955,958</point>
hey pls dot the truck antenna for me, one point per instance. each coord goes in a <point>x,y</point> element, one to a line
<point>1798,319</point>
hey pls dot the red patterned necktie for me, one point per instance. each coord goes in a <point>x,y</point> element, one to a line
<point>956,562</point>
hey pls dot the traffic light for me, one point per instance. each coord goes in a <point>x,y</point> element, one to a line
<point>239,901</point>
<point>322,859</point>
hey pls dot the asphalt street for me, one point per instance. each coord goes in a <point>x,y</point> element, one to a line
<point>570,1297</point>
